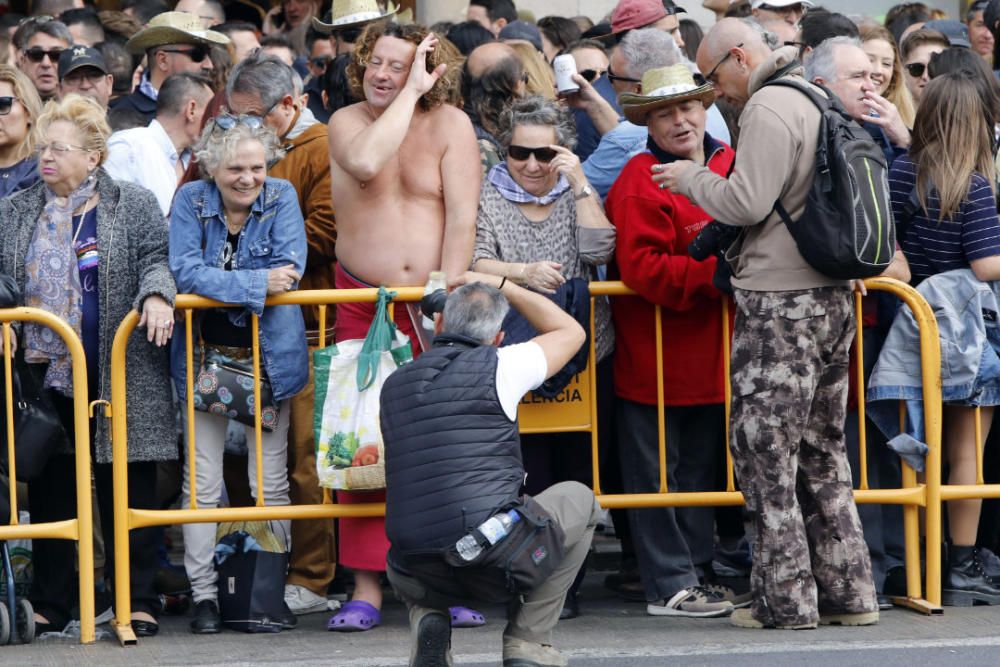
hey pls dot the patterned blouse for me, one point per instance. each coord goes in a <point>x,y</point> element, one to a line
<point>503,233</point>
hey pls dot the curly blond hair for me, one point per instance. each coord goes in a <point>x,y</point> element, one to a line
<point>87,115</point>
<point>414,34</point>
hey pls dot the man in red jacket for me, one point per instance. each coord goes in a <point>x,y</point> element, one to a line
<point>654,229</point>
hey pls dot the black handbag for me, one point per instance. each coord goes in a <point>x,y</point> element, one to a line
<point>38,431</point>
<point>224,387</point>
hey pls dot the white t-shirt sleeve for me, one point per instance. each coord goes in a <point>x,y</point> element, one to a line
<point>520,368</point>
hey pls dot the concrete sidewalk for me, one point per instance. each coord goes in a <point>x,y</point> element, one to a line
<point>609,632</point>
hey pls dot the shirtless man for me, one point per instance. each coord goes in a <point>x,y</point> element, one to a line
<point>405,177</point>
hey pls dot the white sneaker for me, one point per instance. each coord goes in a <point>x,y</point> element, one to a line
<point>301,600</point>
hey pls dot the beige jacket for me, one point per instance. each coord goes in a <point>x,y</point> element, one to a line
<point>776,159</point>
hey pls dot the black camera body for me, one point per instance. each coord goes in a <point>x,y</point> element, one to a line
<point>433,303</point>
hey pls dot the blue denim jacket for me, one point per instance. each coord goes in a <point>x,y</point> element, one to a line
<point>274,235</point>
<point>967,312</point>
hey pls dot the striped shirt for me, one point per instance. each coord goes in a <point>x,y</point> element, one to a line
<point>933,247</point>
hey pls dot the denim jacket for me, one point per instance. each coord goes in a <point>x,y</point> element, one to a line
<point>966,310</point>
<point>274,235</point>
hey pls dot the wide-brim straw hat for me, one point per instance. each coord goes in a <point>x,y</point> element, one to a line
<point>173,28</point>
<point>352,13</point>
<point>662,86</point>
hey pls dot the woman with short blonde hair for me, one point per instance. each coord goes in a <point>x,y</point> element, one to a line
<point>20,107</point>
<point>89,249</point>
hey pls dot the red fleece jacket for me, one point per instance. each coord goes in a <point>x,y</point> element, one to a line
<point>654,228</point>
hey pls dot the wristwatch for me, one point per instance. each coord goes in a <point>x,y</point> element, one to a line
<point>584,192</point>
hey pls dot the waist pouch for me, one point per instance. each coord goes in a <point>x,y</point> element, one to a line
<point>526,557</point>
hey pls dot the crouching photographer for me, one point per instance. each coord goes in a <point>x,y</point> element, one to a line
<point>459,526</point>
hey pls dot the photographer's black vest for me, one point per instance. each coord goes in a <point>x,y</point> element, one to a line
<point>452,457</point>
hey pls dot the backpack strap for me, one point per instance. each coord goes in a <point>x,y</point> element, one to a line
<point>823,104</point>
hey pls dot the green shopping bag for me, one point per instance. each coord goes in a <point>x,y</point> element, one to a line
<point>348,378</point>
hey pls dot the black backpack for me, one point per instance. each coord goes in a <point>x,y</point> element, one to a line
<point>847,229</point>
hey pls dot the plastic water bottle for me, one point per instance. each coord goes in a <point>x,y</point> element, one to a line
<point>493,529</point>
<point>435,280</point>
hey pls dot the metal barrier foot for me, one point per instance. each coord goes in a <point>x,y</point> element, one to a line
<point>917,604</point>
<point>126,636</point>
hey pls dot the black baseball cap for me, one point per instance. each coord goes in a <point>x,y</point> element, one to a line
<point>76,57</point>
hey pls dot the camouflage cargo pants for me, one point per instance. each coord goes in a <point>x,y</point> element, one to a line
<point>789,378</point>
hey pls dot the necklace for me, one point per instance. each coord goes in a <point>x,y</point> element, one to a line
<point>79,226</point>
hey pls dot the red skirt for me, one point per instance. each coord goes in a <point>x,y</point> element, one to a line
<point>362,542</point>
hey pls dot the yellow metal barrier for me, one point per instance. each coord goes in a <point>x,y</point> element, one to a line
<point>576,412</point>
<point>79,529</point>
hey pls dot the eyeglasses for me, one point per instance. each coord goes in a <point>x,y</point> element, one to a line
<point>226,122</point>
<point>710,77</point>
<point>321,61</point>
<point>916,70</point>
<point>784,11</point>
<point>614,77</point>
<point>522,153</point>
<point>197,54</point>
<point>6,104</point>
<point>91,75</point>
<point>36,54</point>
<point>591,74</point>
<point>59,149</point>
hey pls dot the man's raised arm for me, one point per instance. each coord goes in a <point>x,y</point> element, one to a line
<point>366,152</point>
<point>559,335</point>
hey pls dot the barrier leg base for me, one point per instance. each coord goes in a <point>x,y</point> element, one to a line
<point>917,604</point>
<point>126,637</point>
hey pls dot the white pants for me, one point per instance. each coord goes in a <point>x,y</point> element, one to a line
<point>210,442</point>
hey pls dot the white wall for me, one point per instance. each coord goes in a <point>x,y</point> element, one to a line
<point>430,11</point>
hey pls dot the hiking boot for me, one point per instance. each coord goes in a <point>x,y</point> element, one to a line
<point>519,653</point>
<point>727,593</point>
<point>991,563</point>
<point>431,645</point>
<point>742,618</point>
<point>694,602</point>
<point>966,582</point>
<point>849,619</point>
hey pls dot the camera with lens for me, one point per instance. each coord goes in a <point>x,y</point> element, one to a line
<point>714,239</point>
<point>433,302</point>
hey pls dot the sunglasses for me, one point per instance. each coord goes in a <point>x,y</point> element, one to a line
<point>591,75</point>
<point>196,54</point>
<point>522,153</point>
<point>226,122</point>
<point>6,104</point>
<point>36,54</point>
<point>916,70</point>
<point>321,61</point>
<point>614,77</point>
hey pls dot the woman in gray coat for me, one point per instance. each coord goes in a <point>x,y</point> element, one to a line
<point>89,249</point>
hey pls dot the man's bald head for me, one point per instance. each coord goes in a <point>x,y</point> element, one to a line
<point>730,51</point>
<point>485,56</point>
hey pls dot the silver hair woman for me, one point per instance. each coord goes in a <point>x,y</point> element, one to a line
<point>237,236</point>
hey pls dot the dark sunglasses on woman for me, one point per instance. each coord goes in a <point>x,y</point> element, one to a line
<point>591,75</point>
<point>6,104</point>
<point>226,122</point>
<point>521,153</point>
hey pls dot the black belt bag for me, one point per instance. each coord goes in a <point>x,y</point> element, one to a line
<point>527,556</point>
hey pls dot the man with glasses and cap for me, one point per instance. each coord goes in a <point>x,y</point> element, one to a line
<point>173,42</point>
<point>82,70</point>
<point>40,41</point>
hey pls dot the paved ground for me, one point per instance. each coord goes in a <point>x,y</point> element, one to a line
<point>609,633</point>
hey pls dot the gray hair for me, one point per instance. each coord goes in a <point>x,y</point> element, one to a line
<point>475,310</point>
<point>537,110</point>
<point>216,145</point>
<point>36,24</point>
<point>262,75</point>
<point>648,49</point>
<point>821,62</point>
<point>769,38</point>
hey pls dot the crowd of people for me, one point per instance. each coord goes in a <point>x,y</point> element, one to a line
<point>237,150</point>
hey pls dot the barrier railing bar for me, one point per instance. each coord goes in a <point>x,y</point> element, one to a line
<point>257,417</point>
<point>978,429</point>
<point>189,408</point>
<point>79,529</point>
<point>595,459</point>
<point>727,390</point>
<point>859,365</point>
<point>9,407</point>
<point>661,423</point>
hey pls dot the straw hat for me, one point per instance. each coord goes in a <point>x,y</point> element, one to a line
<point>662,86</point>
<point>173,28</point>
<point>352,13</point>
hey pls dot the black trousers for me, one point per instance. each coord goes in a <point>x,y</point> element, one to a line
<point>52,497</point>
